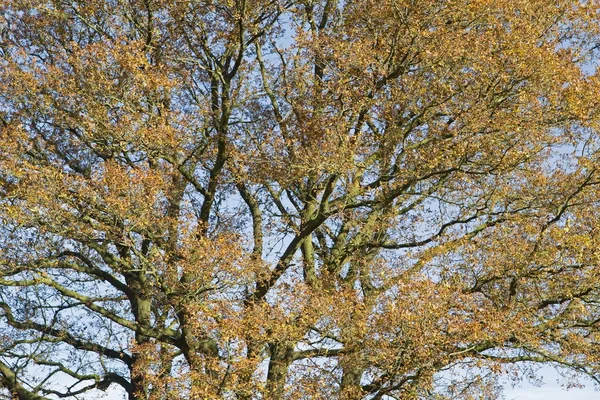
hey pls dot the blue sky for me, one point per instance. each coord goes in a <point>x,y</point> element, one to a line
<point>550,390</point>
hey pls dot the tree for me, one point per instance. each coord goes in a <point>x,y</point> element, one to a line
<point>281,199</point>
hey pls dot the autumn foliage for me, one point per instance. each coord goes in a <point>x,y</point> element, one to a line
<point>312,199</point>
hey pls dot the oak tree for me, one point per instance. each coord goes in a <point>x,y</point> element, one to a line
<point>297,199</point>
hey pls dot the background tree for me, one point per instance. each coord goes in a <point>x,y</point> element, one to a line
<point>310,199</point>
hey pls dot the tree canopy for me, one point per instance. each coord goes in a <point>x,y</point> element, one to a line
<point>297,199</point>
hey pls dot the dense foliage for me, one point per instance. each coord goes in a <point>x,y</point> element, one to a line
<point>312,199</point>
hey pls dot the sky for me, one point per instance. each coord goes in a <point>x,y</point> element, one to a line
<point>550,393</point>
<point>550,390</point>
